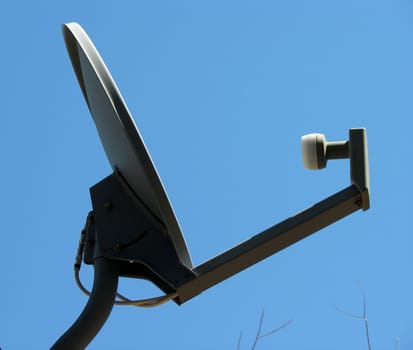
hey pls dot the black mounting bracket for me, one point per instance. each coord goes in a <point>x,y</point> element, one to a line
<point>123,229</point>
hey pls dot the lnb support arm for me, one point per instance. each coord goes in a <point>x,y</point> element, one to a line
<point>292,230</point>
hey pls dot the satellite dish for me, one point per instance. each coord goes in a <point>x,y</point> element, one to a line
<point>122,240</point>
<point>122,142</point>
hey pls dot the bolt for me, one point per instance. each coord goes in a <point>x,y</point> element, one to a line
<point>116,248</point>
<point>108,205</point>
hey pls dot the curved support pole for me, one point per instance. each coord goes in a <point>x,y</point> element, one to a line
<point>97,309</point>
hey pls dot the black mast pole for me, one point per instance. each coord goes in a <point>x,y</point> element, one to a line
<point>97,309</point>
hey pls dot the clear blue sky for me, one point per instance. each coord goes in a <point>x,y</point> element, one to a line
<point>222,92</point>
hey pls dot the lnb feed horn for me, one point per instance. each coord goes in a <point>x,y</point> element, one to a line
<point>316,150</point>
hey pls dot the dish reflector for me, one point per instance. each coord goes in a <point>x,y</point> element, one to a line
<point>122,142</point>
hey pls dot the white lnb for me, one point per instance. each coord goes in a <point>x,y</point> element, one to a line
<point>314,147</point>
<point>316,150</point>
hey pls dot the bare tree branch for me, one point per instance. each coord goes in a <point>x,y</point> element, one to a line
<point>259,330</point>
<point>276,329</point>
<point>260,336</point>
<point>239,341</point>
<point>366,323</point>
<point>362,317</point>
<point>349,314</point>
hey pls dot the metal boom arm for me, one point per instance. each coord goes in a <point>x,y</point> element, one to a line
<point>271,241</point>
